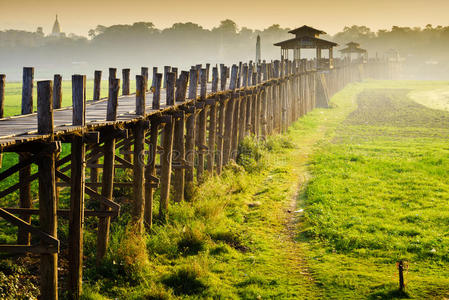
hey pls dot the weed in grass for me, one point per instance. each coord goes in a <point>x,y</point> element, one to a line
<point>186,280</point>
<point>191,241</point>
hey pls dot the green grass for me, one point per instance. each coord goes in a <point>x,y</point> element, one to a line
<point>379,194</point>
<point>324,211</point>
<point>13,95</point>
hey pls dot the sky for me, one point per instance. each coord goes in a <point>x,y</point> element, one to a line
<point>331,16</point>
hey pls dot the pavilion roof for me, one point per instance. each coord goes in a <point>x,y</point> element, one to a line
<point>306,42</point>
<point>306,31</point>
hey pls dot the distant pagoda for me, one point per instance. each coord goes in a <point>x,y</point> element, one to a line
<point>56,31</point>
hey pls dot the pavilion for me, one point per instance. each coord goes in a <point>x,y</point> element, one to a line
<point>308,38</point>
<point>354,48</point>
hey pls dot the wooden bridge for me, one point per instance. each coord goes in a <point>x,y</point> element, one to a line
<point>171,134</point>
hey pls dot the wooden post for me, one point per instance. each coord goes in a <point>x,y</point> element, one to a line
<point>125,81</point>
<point>138,162</point>
<point>97,85</point>
<point>57,91</point>
<point>167,69</point>
<point>179,143</point>
<point>23,237</point>
<point>212,123</point>
<point>107,185</point>
<point>2,94</point>
<point>97,94</point>
<point>166,166</point>
<point>27,91</point>
<point>47,192</point>
<point>157,91</point>
<point>153,82</point>
<point>230,138</point>
<point>401,275</point>
<point>179,157</point>
<point>181,87</point>
<point>190,139</point>
<point>223,77</point>
<point>151,173</point>
<point>202,119</point>
<point>244,100</point>
<point>207,72</point>
<point>76,219</point>
<point>175,71</point>
<point>170,88</point>
<point>254,114</point>
<point>144,73</point>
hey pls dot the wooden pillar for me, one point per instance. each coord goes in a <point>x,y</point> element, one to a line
<point>212,123</point>
<point>47,192</point>
<point>190,138</point>
<point>144,72</point>
<point>157,81</point>
<point>125,81</point>
<point>179,142</point>
<point>57,91</point>
<point>76,219</point>
<point>25,186</point>
<point>242,119</point>
<point>97,85</point>
<point>170,88</point>
<point>139,156</point>
<point>153,78</point>
<point>223,77</point>
<point>202,119</point>
<point>2,94</point>
<point>107,184</point>
<point>254,114</point>
<point>228,131</point>
<point>151,173</point>
<point>166,166</point>
<point>167,69</point>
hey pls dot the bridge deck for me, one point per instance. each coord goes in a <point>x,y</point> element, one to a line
<point>23,128</point>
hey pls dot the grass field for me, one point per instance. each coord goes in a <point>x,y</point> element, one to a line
<point>322,212</point>
<point>13,94</point>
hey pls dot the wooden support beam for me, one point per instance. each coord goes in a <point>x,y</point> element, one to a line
<point>166,166</point>
<point>235,120</point>
<point>139,159</point>
<point>108,172</point>
<point>145,73</point>
<point>181,86</point>
<point>227,142</point>
<point>202,119</point>
<point>2,94</point>
<point>157,91</point>
<point>125,81</point>
<point>47,191</point>
<point>97,85</point>
<point>190,139</point>
<point>170,88</point>
<point>151,172</point>
<point>212,124</point>
<point>25,188</point>
<point>220,134</point>
<point>57,91</point>
<point>76,219</point>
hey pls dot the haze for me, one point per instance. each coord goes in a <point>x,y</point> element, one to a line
<point>80,16</point>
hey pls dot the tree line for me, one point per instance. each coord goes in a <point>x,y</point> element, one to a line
<point>185,44</point>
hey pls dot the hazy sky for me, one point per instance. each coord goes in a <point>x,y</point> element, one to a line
<point>79,16</point>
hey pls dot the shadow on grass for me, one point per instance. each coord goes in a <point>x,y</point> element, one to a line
<point>392,294</point>
<point>185,282</point>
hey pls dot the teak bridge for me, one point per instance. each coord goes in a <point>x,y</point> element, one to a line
<point>190,129</point>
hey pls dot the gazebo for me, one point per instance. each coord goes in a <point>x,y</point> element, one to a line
<point>353,47</point>
<point>308,38</point>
